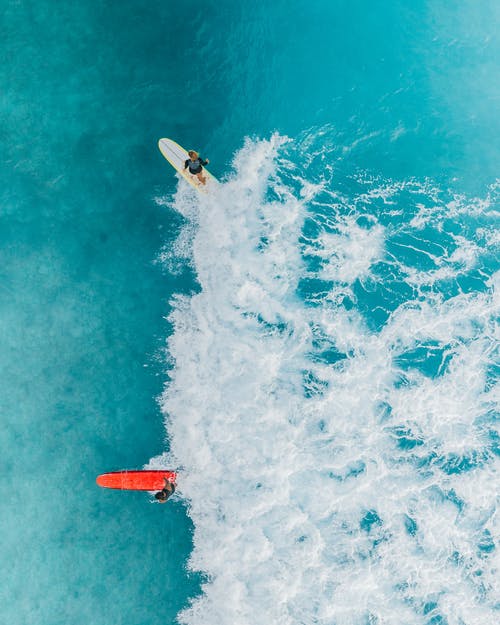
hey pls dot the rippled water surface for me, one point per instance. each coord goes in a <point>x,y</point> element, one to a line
<point>314,345</point>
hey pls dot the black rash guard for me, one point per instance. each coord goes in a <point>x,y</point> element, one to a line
<point>195,166</point>
<point>169,491</point>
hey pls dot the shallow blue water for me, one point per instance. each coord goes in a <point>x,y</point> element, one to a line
<point>338,326</point>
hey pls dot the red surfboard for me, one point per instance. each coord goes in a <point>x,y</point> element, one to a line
<point>136,480</point>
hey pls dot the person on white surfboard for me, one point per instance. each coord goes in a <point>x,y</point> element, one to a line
<point>194,164</point>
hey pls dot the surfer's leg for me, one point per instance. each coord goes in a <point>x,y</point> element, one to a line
<point>201,177</point>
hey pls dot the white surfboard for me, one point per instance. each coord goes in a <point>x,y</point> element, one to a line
<point>177,156</point>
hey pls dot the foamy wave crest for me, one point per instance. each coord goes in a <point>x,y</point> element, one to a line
<point>333,403</point>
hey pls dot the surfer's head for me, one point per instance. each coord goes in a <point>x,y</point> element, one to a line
<point>161,496</point>
<point>193,154</point>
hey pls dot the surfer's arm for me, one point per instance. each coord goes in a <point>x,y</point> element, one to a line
<point>186,164</point>
<point>204,162</point>
<point>170,486</point>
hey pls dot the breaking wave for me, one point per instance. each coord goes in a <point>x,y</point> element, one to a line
<point>332,402</point>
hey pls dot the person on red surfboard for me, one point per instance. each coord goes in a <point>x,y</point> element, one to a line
<point>168,490</point>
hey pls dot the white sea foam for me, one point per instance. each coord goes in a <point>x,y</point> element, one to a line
<point>322,487</point>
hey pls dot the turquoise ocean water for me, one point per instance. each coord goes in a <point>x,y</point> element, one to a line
<point>314,346</point>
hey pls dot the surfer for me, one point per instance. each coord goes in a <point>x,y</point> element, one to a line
<point>168,491</point>
<point>195,165</point>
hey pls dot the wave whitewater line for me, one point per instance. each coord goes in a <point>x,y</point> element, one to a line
<point>332,404</point>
